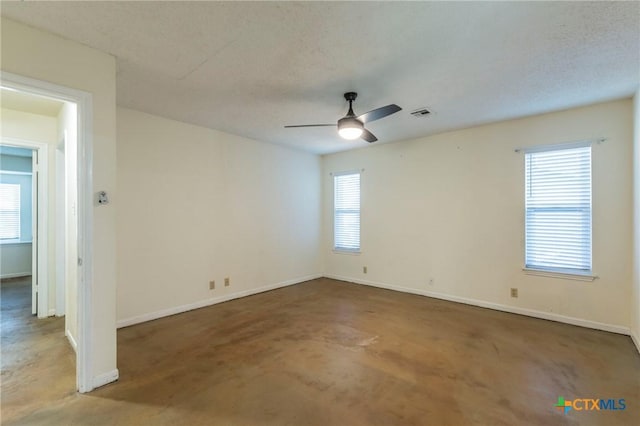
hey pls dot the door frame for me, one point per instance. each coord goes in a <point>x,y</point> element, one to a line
<point>84,102</point>
<point>40,234</point>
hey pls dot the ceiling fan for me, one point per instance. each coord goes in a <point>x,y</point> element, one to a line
<point>352,127</point>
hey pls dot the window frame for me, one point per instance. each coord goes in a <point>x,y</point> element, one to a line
<point>560,272</point>
<point>335,247</point>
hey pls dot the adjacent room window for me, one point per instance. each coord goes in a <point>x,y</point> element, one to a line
<point>9,211</point>
<point>346,212</point>
<point>558,209</point>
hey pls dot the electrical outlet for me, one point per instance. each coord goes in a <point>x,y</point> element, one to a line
<point>514,292</point>
<point>226,282</point>
<point>212,285</point>
<point>364,269</point>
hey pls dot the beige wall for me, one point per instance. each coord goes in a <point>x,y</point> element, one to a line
<point>635,299</point>
<point>451,207</point>
<point>197,205</point>
<point>33,53</point>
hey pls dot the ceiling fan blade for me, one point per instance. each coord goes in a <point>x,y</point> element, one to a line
<point>368,136</point>
<point>379,113</point>
<point>311,125</point>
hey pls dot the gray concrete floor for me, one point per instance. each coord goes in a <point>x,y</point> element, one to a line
<point>323,352</point>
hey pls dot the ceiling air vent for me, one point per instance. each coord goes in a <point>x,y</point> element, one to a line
<point>422,112</point>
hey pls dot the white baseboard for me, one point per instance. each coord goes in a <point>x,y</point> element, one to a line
<point>15,275</point>
<point>71,340</point>
<point>105,378</point>
<point>636,341</point>
<point>474,302</point>
<point>495,306</point>
<point>208,302</point>
<point>52,312</point>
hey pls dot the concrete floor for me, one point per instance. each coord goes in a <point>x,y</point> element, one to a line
<point>323,353</point>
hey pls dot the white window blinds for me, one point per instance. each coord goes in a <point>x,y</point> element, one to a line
<point>558,209</point>
<point>9,211</point>
<point>346,202</point>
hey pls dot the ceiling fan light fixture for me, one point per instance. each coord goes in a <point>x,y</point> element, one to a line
<point>350,128</point>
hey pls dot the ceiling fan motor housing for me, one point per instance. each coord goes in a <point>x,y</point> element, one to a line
<point>350,121</point>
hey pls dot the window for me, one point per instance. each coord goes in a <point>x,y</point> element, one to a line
<point>9,211</point>
<point>558,209</point>
<point>346,212</point>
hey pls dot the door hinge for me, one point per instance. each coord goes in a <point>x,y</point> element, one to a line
<point>79,261</point>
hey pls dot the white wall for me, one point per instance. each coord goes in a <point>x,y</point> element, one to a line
<point>33,53</point>
<point>451,207</point>
<point>15,260</point>
<point>635,299</point>
<point>16,163</point>
<point>198,205</point>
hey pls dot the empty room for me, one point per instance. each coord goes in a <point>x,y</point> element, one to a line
<point>320,213</point>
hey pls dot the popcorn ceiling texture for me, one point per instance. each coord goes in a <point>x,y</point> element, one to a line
<point>251,68</point>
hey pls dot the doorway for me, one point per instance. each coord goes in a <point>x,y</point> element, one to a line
<point>18,219</point>
<point>62,234</point>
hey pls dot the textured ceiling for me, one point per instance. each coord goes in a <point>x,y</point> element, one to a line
<point>249,68</point>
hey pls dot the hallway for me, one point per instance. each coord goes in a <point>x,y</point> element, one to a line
<point>37,360</point>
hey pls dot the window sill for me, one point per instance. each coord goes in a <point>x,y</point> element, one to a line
<point>550,273</point>
<point>349,252</point>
